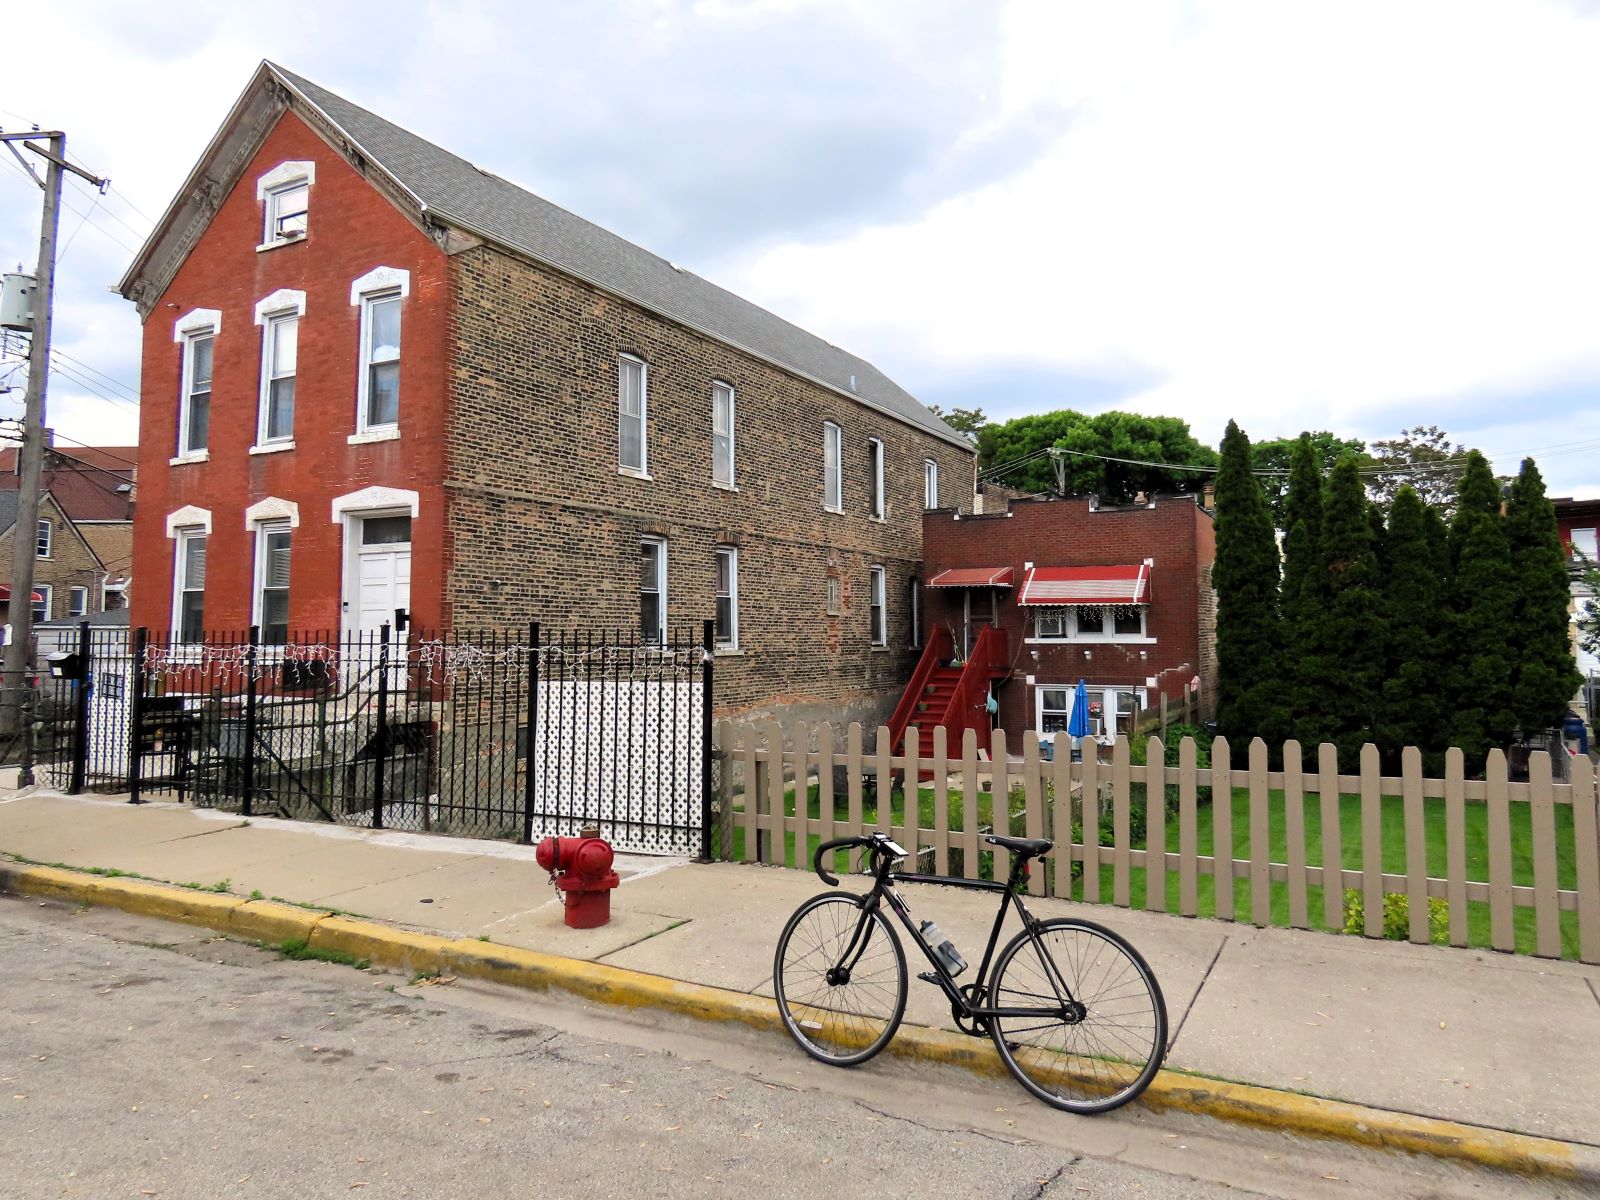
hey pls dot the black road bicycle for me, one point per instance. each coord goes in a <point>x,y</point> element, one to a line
<point>1073,1009</point>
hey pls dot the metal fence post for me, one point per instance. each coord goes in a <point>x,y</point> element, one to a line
<point>80,714</point>
<point>250,656</point>
<point>707,658</point>
<point>381,739</point>
<point>533,725</point>
<point>141,642</point>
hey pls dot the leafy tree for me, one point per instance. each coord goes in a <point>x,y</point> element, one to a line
<point>1411,703</point>
<point>1300,597</point>
<point>1546,675</point>
<point>1346,643</point>
<point>1250,699</point>
<point>1276,460</point>
<point>1483,597</point>
<point>1422,458</point>
<point>1589,609</point>
<point>963,420</point>
<point>1093,441</point>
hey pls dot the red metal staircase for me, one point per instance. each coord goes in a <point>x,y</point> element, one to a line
<point>952,696</point>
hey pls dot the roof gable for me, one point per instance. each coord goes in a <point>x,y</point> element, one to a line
<point>446,190</point>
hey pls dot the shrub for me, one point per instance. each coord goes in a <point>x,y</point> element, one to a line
<point>1396,916</point>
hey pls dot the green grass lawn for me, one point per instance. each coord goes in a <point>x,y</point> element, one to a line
<point>1392,835</point>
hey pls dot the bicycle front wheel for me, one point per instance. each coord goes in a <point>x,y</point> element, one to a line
<point>1099,1031</point>
<point>841,996</point>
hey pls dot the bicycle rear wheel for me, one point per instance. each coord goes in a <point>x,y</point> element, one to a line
<point>840,1010</point>
<point>1100,1032</point>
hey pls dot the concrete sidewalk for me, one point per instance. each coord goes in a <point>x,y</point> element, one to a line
<point>1485,1039</point>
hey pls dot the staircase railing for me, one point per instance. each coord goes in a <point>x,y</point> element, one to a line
<point>987,662</point>
<point>938,649</point>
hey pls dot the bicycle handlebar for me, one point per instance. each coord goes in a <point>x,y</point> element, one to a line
<point>878,843</point>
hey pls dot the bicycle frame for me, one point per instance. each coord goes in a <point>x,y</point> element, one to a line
<point>884,880</point>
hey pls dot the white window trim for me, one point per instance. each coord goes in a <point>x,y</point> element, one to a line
<point>272,509</point>
<point>878,597</point>
<point>661,584</point>
<point>732,643</point>
<point>642,471</point>
<point>180,547</point>
<point>281,178</point>
<point>877,501</point>
<point>258,575</point>
<point>731,482</point>
<point>1094,639</point>
<point>188,518</point>
<point>45,532</point>
<point>371,501</point>
<point>74,591</point>
<point>1097,693</point>
<point>268,322</point>
<point>279,303</point>
<point>364,364</point>
<point>380,283</point>
<point>833,443</point>
<point>930,484</point>
<point>48,594</point>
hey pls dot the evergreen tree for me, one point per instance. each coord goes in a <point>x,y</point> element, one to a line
<point>1300,597</point>
<point>1410,705</point>
<point>1482,600</point>
<point>1250,700</point>
<point>1348,640</point>
<point>1546,672</point>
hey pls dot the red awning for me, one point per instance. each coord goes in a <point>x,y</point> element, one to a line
<point>973,577</point>
<point>5,595</point>
<point>1086,585</point>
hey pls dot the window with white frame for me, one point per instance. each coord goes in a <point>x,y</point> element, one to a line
<point>279,363</point>
<point>880,633</point>
<point>1111,709</point>
<point>189,585</point>
<point>1583,543</point>
<point>833,596</point>
<point>722,433</point>
<point>875,501</point>
<point>1090,622</point>
<point>653,591</point>
<point>930,484</point>
<point>1054,709</point>
<point>271,608</point>
<point>380,362</point>
<point>727,597</point>
<point>78,602</point>
<point>633,403</point>
<point>287,209</point>
<point>40,602</point>
<point>194,403</point>
<point>47,537</point>
<point>832,469</point>
<point>916,612</point>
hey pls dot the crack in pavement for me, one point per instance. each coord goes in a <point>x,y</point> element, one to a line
<point>1195,999</point>
<point>919,1124</point>
<point>1044,1185</point>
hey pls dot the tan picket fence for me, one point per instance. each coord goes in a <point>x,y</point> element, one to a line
<point>1513,865</point>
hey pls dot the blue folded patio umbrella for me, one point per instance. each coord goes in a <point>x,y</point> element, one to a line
<point>1078,722</point>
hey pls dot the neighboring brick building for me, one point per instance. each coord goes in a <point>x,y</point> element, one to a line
<point>1117,596</point>
<point>67,575</point>
<point>94,488</point>
<point>389,379</point>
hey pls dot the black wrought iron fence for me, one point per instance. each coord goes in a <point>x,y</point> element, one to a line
<point>482,734</point>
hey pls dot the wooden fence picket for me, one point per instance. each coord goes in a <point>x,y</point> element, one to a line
<point>941,801</point>
<point>1416,846</point>
<point>911,797</point>
<point>752,788</point>
<point>1455,842</point>
<point>1371,841</point>
<point>1061,822</point>
<point>969,803</point>
<point>1120,833</point>
<point>1542,813</point>
<point>1586,832</point>
<point>770,816</point>
<point>1260,837</point>
<point>1188,832</point>
<point>1294,834</point>
<point>1089,807</point>
<point>825,762</point>
<point>883,782</point>
<point>1222,829</point>
<point>1332,837</point>
<point>1155,826</point>
<point>1033,807</point>
<point>1502,931</point>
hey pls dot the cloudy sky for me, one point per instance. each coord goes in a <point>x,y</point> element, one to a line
<point>1347,215</point>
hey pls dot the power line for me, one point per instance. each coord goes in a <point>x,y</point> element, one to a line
<point>88,385</point>
<point>111,381</point>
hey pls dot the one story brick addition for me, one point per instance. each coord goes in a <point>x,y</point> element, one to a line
<point>424,388</point>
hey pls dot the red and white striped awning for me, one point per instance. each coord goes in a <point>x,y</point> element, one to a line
<point>1055,586</point>
<point>5,595</point>
<point>973,577</point>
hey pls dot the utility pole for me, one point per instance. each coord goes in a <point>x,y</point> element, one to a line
<point>24,539</point>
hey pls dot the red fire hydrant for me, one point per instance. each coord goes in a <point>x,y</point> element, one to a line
<point>580,869</point>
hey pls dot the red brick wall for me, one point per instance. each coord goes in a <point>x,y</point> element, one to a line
<point>352,229</point>
<point>1172,530</point>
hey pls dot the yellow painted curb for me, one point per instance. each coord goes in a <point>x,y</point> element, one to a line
<point>269,921</point>
<point>1268,1108</point>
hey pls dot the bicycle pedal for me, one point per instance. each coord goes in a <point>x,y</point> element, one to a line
<point>928,977</point>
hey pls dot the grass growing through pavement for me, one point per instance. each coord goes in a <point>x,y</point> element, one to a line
<point>1392,841</point>
<point>301,951</point>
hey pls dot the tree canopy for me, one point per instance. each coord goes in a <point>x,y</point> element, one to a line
<point>1089,443</point>
<point>1422,458</point>
<point>1279,455</point>
<point>963,420</point>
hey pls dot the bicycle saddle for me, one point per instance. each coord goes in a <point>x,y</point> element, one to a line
<point>1028,847</point>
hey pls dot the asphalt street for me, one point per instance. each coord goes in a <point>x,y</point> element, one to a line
<point>143,1059</point>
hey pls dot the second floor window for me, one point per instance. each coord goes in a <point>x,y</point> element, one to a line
<point>189,603</point>
<point>633,453</point>
<point>78,602</point>
<point>930,484</point>
<point>722,434</point>
<point>194,418</point>
<point>653,591</point>
<point>47,538</point>
<point>875,502</point>
<point>272,584</point>
<point>380,361</point>
<point>279,357</point>
<point>832,471</point>
<point>880,631</point>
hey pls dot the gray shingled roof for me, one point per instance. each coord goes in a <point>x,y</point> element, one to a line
<point>456,191</point>
<point>8,509</point>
